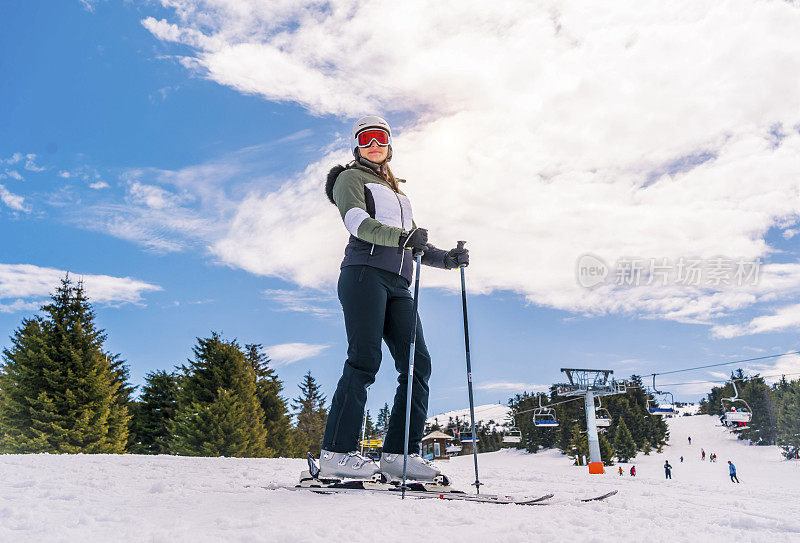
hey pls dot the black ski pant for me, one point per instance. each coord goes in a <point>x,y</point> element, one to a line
<point>668,474</point>
<point>377,306</point>
<point>734,478</point>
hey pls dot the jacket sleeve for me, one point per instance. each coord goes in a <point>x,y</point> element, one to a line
<point>432,256</point>
<point>348,193</point>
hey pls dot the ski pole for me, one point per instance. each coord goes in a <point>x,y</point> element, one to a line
<point>364,426</point>
<point>418,257</point>
<point>477,484</point>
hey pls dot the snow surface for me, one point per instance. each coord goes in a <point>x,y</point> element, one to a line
<point>174,499</point>
<point>688,409</point>
<point>498,413</point>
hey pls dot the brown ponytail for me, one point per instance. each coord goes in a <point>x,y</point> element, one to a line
<point>387,174</point>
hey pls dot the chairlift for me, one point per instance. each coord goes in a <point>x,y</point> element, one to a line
<point>601,415</point>
<point>662,408</point>
<point>736,415</point>
<point>544,416</point>
<point>466,437</point>
<point>513,434</point>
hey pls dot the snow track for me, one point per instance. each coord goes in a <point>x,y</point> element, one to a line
<point>169,499</point>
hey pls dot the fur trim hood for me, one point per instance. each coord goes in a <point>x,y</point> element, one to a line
<point>332,175</point>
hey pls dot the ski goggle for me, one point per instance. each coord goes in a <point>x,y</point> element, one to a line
<point>365,138</point>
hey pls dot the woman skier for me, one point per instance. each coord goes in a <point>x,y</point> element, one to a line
<point>373,289</point>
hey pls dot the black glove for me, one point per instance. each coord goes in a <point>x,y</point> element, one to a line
<point>456,258</point>
<point>416,240</point>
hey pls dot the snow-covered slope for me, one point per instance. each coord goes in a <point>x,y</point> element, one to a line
<point>173,499</point>
<point>688,409</point>
<point>483,413</point>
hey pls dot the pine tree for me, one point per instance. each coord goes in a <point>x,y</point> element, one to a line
<point>155,412</point>
<point>382,424</point>
<point>219,413</point>
<point>579,444</point>
<point>281,441</point>
<point>788,434</point>
<point>624,445</point>
<point>311,413</point>
<point>369,429</point>
<point>59,392</point>
<point>606,451</point>
<point>121,420</point>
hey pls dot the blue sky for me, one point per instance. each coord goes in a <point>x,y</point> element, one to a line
<point>146,150</point>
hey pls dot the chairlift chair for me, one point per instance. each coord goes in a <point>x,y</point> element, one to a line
<point>513,434</point>
<point>655,407</point>
<point>544,416</point>
<point>739,414</point>
<point>601,415</point>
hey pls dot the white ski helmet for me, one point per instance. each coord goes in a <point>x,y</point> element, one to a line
<point>370,121</point>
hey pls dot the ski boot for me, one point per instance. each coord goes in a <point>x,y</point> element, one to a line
<point>417,469</point>
<point>334,468</point>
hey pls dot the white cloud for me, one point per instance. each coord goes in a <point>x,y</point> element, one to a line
<point>64,174</point>
<point>30,163</point>
<point>18,305</point>
<point>13,159</point>
<point>303,301</point>
<point>785,318</point>
<point>288,353</point>
<point>152,196</point>
<point>14,174</point>
<point>89,5</point>
<point>161,94</point>
<point>27,284</point>
<point>14,201</point>
<point>785,365</point>
<point>512,386</point>
<point>151,215</point>
<point>536,134</point>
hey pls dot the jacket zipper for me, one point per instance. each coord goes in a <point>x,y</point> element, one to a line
<point>402,227</point>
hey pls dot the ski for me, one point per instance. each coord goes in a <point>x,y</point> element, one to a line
<point>584,500</point>
<point>601,497</point>
<point>312,481</point>
<point>413,490</point>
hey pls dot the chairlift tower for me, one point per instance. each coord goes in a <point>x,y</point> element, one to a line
<point>590,383</point>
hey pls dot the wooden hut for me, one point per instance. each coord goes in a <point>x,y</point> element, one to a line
<point>434,446</point>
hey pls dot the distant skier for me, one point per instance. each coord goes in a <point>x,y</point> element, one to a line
<point>732,471</point>
<point>373,289</point>
<point>667,470</point>
<point>690,440</point>
<point>620,471</point>
<point>633,471</point>
<point>681,460</point>
<point>702,454</point>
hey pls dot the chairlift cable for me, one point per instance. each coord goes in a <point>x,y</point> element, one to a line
<point>725,380</point>
<point>548,405</point>
<point>727,363</point>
